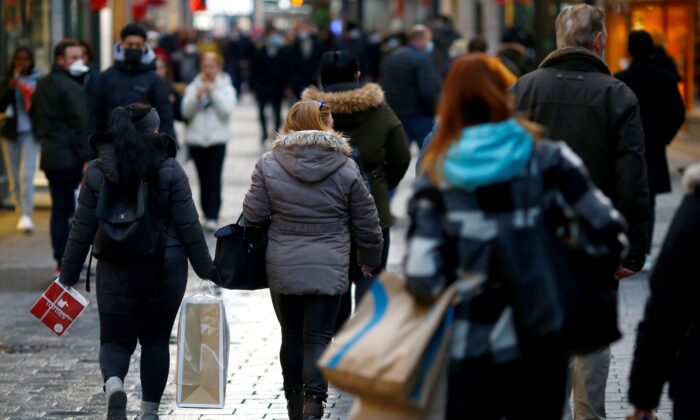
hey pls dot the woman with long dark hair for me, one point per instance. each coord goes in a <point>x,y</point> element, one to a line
<point>138,300</point>
<point>490,190</point>
<point>20,147</point>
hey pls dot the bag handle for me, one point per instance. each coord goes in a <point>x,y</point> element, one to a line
<point>89,269</point>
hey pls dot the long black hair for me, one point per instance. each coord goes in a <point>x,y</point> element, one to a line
<point>19,50</point>
<point>136,152</point>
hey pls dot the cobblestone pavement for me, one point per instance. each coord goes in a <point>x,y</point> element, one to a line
<point>42,376</point>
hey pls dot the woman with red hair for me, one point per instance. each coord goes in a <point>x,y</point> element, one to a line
<point>491,193</point>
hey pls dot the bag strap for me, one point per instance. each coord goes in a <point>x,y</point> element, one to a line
<point>89,269</point>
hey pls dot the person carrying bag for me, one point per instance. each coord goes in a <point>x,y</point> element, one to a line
<point>136,189</point>
<point>313,196</point>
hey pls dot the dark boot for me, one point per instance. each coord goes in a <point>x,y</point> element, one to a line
<point>295,404</point>
<point>313,407</point>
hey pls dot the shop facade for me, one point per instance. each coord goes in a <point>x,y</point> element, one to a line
<point>672,23</point>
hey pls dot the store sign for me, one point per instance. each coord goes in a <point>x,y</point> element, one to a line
<point>95,5</point>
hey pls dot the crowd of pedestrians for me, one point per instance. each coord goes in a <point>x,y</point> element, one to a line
<point>535,192</point>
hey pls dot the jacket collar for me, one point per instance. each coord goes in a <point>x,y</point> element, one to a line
<point>325,139</point>
<point>575,58</point>
<point>347,98</point>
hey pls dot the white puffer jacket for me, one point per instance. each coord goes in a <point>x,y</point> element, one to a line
<point>208,117</point>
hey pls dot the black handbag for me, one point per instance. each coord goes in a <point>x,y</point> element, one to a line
<point>240,256</point>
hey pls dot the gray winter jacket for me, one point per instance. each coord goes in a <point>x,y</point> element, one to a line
<point>314,198</point>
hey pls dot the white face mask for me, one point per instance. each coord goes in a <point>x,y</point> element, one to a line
<point>78,68</point>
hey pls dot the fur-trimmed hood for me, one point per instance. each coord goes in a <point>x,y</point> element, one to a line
<point>347,98</point>
<point>577,58</point>
<point>691,179</point>
<point>311,156</point>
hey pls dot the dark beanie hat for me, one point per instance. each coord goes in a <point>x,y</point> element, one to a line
<point>640,45</point>
<point>133,29</point>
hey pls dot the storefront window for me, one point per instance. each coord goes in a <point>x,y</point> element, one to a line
<point>26,23</point>
<point>671,24</point>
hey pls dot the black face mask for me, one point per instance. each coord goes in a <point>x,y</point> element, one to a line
<point>133,56</point>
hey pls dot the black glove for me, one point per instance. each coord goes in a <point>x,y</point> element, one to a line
<point>213,275</point>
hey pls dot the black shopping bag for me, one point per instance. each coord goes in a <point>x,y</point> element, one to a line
<point>240,256</point>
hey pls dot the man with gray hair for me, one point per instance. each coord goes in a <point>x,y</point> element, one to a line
<point>412,84</point>
<point>574,96</point>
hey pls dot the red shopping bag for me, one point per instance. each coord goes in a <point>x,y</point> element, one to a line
<point>59,307</point>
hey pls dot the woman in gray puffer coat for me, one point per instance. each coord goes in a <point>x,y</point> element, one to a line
<point>314,198</point>
<point>138,300</point>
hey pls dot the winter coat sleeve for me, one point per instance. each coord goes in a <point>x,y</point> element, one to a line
<point>190,101</point>
<point>675,110</point>
<point>83,228</point>
<point>160,99</point>
<point>223,99</point>
<point>97,122</point>
<point>565,173</point>
<point>185,220</point>
<point>668,315</point>
<point>398,156</point>
<point>256,204</point>
<point>424,264</point>
<point>364,222</point>
<point>631,183</point>
<point>428,85</point>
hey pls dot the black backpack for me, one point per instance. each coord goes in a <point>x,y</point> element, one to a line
<point>128,228</point>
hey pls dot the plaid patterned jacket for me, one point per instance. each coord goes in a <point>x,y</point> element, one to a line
<point>454,235</point>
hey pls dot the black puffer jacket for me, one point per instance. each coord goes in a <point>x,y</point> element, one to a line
<point>125,84</point>
<point>574,96</point>
<point>59,116</point>
<point>183,231</point>
<point>411,84</point>
<point>668,338</point>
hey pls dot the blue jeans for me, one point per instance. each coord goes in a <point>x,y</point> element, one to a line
<point>21,155</point>
<point>417,127</point>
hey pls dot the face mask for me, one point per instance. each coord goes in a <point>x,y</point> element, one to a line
<point>430,47</point>
<point>133,55</point>
<point>276,40</point>
<point>78,68</point>
<point>191,49</point>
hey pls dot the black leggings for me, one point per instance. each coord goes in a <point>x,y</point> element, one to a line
<point>135,306</point>
<point>210,163</point>
<point>307,327</point>
<point>530,388</point>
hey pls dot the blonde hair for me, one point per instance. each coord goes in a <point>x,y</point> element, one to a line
<point>213,56</point>
<point>577,26</point>
<point>308,115</point>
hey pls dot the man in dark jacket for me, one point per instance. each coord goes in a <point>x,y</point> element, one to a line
<point>59,116</point>
<point>269,78</point>
<point>668,338</point>
<point>575,97</point>
<point>412,85</point>
<point>132,79</point>
<point>662,111</point>
<point>361,114</point>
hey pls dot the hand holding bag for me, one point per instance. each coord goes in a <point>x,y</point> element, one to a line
<point>240,256</point>
<point>393,349</point>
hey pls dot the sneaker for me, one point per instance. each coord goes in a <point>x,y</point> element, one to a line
<point>116,399</point>
<point>211,225</point>
<point>25,224</point>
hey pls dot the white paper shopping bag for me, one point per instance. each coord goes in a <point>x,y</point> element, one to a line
<point>202,353</point>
